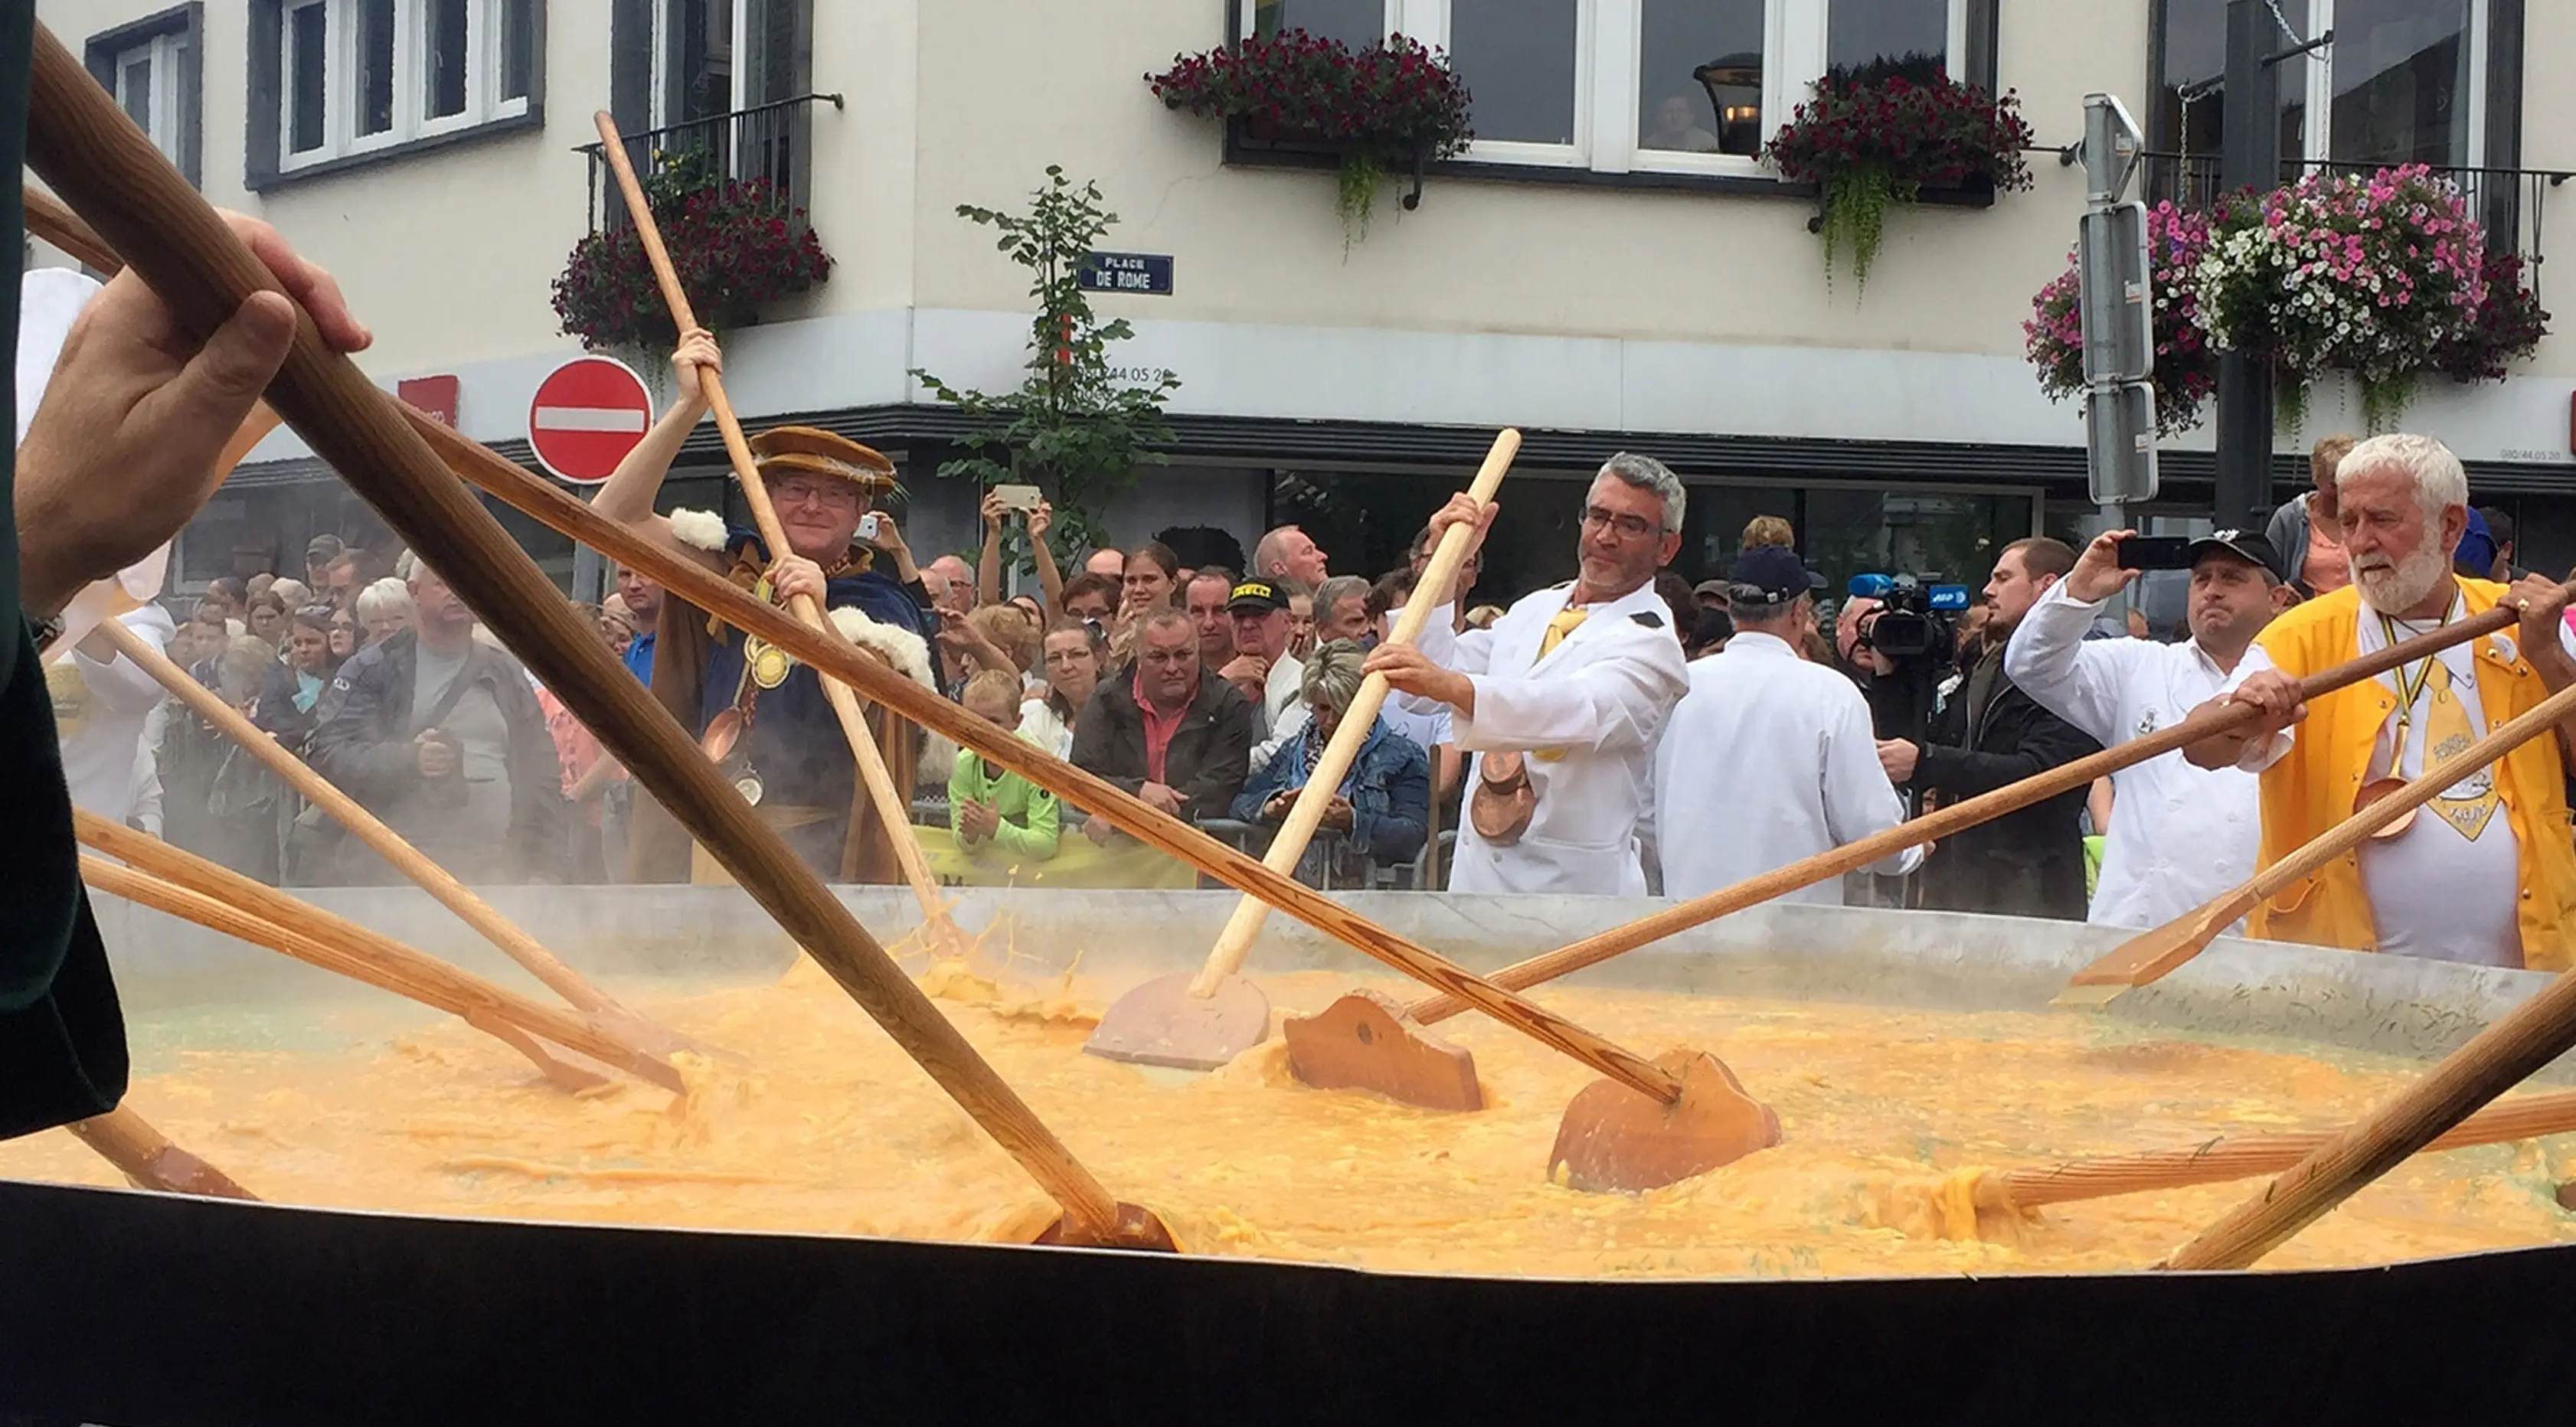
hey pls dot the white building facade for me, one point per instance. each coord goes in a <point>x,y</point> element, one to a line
<point>1576,273</point>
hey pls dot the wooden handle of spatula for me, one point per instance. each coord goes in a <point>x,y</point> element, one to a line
<point>148,1160</point>
<point>109,171</point>
<point>189,887</point>
<point>437,881</point>
<point>2526,1117</point>
<point>1947,821</point>
<point>2494,1061</point>
<point>873,773</point>
<point>1307,813</point>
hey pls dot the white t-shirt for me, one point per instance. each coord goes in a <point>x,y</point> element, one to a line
<point>99,710</point>
<point>2433,892</point>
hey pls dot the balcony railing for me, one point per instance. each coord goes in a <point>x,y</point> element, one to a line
<point>2510,203</point>
<point>770,141</point>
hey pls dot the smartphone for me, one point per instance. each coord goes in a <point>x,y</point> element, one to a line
<point>868,526</point>
<point>2155,552</point>
<point>1019,497</point>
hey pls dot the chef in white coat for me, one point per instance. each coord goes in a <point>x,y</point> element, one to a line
<point>1770,759</point>
<point>1562,698</point>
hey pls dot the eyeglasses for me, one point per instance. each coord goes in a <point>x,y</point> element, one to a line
<point>1055,657</point>
<point>826,493</point>
<point>1630,527</point>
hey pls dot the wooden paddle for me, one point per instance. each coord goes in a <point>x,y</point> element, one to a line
<point>824,649</point>
<point>189,887</point>
<point>1202,1022</point>
<point>149,1161</point>
<point>92,154</point>
<point>1943,822</point>
<point>2229,1157</point>
<point>2151,955</point>
<point>2495,1060</point>
<point>637,1037</point>
<point>938,932</point>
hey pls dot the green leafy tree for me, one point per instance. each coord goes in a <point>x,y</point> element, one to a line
<point>1076,428</point>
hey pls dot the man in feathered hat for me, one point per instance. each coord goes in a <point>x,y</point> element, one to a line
<point>762,713</point>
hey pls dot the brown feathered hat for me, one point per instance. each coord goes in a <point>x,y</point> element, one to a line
<point>813,451</point>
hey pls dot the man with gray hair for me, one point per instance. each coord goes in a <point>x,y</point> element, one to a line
<point>1562,699</point>
<point>2485,873</point>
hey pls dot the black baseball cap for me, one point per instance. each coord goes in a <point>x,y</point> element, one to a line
<point>1769,575</point>
<point>2250,546</point>
<point>1255,597</point>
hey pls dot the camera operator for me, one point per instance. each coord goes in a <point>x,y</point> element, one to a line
<point>1986,734</point>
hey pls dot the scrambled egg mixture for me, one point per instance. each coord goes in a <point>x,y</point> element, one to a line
<point>827,1128</point>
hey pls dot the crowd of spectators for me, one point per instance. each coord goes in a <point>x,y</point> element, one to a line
<point>1207,690</point>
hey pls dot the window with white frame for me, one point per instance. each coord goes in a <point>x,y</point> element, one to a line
<point>1614,86</point>
<point>154,67</point>
<point>356,76</point>
<point>2404,81</point>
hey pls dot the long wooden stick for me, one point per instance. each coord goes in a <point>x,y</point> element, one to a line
<point>1949,820</point>
<point>149,1161</point>
<point>92,154</point>
<point>2495,1060</point>
<point>1307,813</point>
<point>892,813</point>
<point>187,886</point>
<point>2149,955</point>
<point>634,1032</point>
<point>2525,1117</point>
<point>522,490</point>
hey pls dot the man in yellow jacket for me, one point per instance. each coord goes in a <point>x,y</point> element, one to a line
<point>2486,873</point>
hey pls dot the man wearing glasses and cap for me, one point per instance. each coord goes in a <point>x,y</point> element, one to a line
<point>1562,698</point>
<point>761,712</point>
<point>2179,835</point>
<point>1769,759</point>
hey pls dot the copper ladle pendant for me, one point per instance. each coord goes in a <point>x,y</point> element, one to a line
<point>2374,791</point>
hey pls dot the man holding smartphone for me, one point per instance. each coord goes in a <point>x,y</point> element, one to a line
<point>2179,835</point>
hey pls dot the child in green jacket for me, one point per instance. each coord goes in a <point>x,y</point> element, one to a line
<point>988,807</point>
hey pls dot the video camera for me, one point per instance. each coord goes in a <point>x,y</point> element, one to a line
<point>1914,620</point>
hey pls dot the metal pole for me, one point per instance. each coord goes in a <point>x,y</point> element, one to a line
<point>2250,158</point>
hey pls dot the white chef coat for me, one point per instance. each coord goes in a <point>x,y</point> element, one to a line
<point>2179,835</point>
<point>1767,761</point>
<point>99,712</point>
<point>1602,696</point>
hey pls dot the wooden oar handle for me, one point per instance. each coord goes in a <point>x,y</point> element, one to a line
<point>187,886</point>
<point>2494,1061</point>
<point>148,1160</point>
<point>1307,812</point>
<point>2238,1156</point>
<point>873,773</point>
<point>91,153</point>
<point>1947,821</point>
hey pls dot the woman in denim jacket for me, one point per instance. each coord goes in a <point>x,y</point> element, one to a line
<point>1383,806</point>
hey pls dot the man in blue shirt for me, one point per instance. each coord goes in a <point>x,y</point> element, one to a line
<point>643,601</point>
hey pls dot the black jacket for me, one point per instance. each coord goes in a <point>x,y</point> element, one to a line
<point>2028,863</point>
<point>362,742</point>
<point>1210,754</point>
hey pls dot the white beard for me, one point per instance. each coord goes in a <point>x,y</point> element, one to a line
<point>2394,589</point>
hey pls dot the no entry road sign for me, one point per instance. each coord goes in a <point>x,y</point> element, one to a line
<point>587,414</point>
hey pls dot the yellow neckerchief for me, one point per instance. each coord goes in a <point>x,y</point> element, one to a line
<point>1566,622</point>
<point>2411,690</point>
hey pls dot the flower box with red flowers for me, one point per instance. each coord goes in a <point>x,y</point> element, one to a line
<point>736,245</point>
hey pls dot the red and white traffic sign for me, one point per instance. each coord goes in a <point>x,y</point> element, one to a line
<point>587,414</point>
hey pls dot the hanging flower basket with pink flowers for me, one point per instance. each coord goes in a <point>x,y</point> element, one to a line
<point>2383,277</point>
